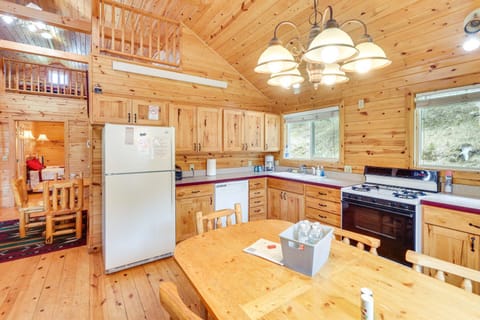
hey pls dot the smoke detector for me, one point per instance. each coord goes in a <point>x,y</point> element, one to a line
<point>471,24</point>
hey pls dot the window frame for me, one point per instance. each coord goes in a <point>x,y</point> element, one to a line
<point>426,100</point>
<point>310,116</point>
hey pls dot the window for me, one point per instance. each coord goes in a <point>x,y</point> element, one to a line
<point>448,128</point>
<point>313,135</point>
<point>58,77</point>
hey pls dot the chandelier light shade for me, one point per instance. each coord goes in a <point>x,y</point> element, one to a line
<point>286,79</point>
<point>329,53</point>
<point>332,75</point>
<point>276,58</point>
<point>330,46</point>
<point>370,57</point>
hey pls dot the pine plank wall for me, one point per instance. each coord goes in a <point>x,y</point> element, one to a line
<point>379,134</point>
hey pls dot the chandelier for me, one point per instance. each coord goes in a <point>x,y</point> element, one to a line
<point>330,53</point>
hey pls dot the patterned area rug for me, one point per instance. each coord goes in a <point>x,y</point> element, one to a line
<point>13,247</point>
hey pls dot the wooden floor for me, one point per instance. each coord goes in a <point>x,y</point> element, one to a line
<point>70,284</point>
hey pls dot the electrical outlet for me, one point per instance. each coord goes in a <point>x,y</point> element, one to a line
<point>249,163</point>
<point>192,166</point>
<point>5,157</point>
<point>347,169</point>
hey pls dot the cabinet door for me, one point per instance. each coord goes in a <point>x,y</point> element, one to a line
<point>183,118</point>
<point>209,124</point>
<point>233,123</point>
<point>272,132</point>
<point>148,112</point>
<point>186,210</point>
<point>294,210</point>
<point>274,203</point>
<point>454,246</point>
<point>254,130</point>
<point>111,109</point>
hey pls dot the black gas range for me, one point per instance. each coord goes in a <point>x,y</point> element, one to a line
<point>387,206</point>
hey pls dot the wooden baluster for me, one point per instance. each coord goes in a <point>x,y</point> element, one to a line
<point>113,27</point>
<point>122,19</point>
<point>467,285</point>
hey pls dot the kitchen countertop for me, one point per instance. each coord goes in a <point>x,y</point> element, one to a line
<point>453,202</point>
<point>334,181</point>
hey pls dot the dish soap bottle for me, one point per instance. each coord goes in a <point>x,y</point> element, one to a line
<point>448,182</point>
<point>322,172</point>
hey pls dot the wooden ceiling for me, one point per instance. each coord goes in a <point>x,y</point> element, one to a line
<point>416,35</point>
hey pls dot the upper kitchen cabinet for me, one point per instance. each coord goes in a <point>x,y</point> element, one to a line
<point>197,129</point>
<point>243,130</point>
<point>128,111</point>
<point>272,132</point>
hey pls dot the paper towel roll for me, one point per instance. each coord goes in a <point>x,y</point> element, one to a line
<point>211,167</point>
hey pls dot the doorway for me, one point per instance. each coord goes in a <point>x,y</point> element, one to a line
<point>40,150</point>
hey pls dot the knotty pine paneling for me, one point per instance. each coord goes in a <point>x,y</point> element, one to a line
<point>224,160</point>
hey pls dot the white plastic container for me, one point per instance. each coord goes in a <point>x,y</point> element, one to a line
<point>303,257</point>
<point>211,167</point>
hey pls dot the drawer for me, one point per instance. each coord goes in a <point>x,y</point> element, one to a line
<point>194,191</point>
<point>323,217</point>
<point>452,219</point>
<point>258,183</point>
<point>255,202</point>
<point>257,213</point>
<point>322,193</point>
<point>286,185</point>
<point>324,205</point>
<point>257,193</point>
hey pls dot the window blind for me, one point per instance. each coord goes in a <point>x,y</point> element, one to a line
<point>319,114</point>
<point>446,97</point>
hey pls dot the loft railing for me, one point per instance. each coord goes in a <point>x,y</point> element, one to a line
<point>136,34</point>
<point>25,77</point>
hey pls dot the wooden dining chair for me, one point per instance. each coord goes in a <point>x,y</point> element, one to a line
<point>173,303</point>
<point>215,220</point>
<point>64,208</point>
<point>29,215</point>
<point>362,240</point>
<point>438,269</point>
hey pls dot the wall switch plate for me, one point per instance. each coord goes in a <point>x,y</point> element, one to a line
<point>347,169</point>
<point>249,163</point>
<point>5,157</point>
<point>192,166</point>
<point>361,104</point>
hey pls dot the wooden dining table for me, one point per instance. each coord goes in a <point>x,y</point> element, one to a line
<point>237,285</point>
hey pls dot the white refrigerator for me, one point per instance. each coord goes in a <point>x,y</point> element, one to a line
<point>138,195</point>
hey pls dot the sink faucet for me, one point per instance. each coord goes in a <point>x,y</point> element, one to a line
<point>303,168</point>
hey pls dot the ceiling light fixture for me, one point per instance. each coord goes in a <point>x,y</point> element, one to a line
<point>471,26</point>
<point>329,53</point>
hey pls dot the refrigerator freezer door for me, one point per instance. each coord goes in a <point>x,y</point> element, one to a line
<point>139,218</point>
<point>138,148</point>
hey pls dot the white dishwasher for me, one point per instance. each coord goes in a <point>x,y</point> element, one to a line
<point>229,193</point>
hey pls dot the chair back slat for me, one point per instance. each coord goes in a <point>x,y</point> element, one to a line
<point>215,220</point>
<point>442,267</point>
<point>362,240</point>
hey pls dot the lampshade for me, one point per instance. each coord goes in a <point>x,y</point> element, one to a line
<point>276,58</point>
<point>42,137</point>
<point>332,74</point>
<point>370,57</point>
<point>286,79</point>
<point>27,134</point>
<point>331,45</point>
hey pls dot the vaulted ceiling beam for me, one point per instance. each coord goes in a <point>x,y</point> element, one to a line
<point>26,48</point>
<point>22,12</point>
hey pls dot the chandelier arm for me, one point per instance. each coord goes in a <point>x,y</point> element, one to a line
<point>360,22</point>
<point>315,15</point>
<point>324,16</point>
<point>285,22</point>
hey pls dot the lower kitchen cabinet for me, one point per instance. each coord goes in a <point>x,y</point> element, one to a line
<point>189,200</point>
<point>322,204</point>
<point>285,200</point>
<point>257,203</point>
<point>453,236</point>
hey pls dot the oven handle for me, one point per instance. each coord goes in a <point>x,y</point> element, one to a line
<point>373,206</point>
<point>376,232</point>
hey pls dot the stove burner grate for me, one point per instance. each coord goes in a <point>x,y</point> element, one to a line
<point>408,194</point>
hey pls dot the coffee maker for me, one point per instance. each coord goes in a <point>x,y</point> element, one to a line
<point>269,162</point>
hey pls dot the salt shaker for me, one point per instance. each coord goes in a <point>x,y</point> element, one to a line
<point>366,304</point>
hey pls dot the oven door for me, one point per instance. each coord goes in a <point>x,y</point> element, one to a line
<point>395,230</point>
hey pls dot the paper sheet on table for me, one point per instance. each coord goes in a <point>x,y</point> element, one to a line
<point>266,249</point>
